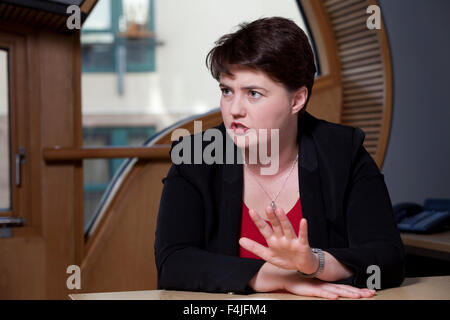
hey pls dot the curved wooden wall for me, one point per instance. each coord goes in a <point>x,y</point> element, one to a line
<point>354,88</point>
<point>366,73</point>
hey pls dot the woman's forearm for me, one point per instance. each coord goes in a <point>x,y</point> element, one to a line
<point>333,269</point>
<point>270,278</point>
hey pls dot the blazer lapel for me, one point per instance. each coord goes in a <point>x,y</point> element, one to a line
<point>231,202</point>
<point>311,197</point>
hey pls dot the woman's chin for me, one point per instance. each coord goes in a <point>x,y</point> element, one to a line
<point>245,141</point>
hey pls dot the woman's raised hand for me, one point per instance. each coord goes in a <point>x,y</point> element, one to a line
<point>285,250</point>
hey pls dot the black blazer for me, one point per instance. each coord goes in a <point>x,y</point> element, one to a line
<point>343,196</point>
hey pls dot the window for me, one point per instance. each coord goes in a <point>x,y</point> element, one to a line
<point>5,178</point>
<point>99,172</point>
<point>116,37</point>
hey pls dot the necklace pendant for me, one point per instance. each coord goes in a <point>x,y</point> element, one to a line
<point>272,204</point>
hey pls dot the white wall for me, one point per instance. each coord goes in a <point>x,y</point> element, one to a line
<point>181,84</point>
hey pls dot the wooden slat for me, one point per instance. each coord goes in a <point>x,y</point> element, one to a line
<point>358,70</point>
<point>368,95</point>
<point>371,130</point>
<point>348,10</point>
<point>370,102</point>
<point>160,152</point>
<point>88,5</point>
<point>358,49</point>
<point>371,148</point>
<point>61,25</point>
<point>352,37</point>
<point>371,138</point>
<point>8,11</point>
<point>362,116</point>
<point>36,17</point>
<point>367,75</point>
<point>376,59</point>
<point>329,3</point>
<point>2,9</point>
<point>357,29</point>
<point>360,56</point>
<point>336,7</point>
<point>370,145</point>
<point>362,83</point>
<point>349,111</point>
<point>372,88</point>
<point>24,14</point>
<point>53,22</point>
<point>369,39</point>
<point>45,19</point>
<point>351,16</point>
<point>351,23</point>
<point>33,17</point>
<point>364,96</point>
<point>364,123</point>
<point>15,13</point>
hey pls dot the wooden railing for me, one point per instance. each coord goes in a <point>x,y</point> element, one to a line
<point>58,154</point>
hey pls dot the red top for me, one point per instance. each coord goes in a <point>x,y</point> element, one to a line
<point>251,231</point>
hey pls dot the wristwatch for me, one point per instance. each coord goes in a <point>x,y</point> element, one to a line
<point>321,265</point>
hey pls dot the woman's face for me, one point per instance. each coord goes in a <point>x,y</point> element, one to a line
<point>251,100</point>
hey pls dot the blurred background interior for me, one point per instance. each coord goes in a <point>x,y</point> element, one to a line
<point>86,117</point>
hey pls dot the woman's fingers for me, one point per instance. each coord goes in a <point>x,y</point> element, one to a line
<point>364,292</point>
<point>311,288</point>
<point>303,232</point>
<point>349,291</point>
<point>281,225</point>
<point>262,225</point>
<point>323,293</point>
<point>256,248</point>
<point>327,294</point>
<point>273,219</point>
<point>318,288</point>
<point>345,293</point>
<point>286,225</point>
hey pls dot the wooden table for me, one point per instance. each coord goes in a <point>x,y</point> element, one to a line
<point>427,288</point>
<point>436,245</point>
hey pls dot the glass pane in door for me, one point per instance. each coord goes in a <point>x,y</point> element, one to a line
<point>5,177</point>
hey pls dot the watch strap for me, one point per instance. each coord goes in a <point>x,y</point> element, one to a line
<point>321,264</point>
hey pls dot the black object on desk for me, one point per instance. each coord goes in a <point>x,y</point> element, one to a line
<point>434,216</point>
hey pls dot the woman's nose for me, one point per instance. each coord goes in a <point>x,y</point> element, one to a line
<point>237,107</point>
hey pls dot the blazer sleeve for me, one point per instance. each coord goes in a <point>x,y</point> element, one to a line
<point>181,259</point>
<point>373,237</point>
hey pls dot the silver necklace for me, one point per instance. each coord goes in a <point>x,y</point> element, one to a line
<point>272,201</point>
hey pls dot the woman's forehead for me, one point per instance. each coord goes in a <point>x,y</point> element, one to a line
<point>246,76</point>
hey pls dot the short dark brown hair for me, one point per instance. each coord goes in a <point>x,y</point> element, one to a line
<point>276,46</point>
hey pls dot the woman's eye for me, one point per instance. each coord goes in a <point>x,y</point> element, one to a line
<point>226,92</point>
<point>255,94</point>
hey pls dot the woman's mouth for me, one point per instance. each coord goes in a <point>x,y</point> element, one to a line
<point>238,128</point>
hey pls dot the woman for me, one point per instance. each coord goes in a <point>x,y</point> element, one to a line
<point>317,227</point>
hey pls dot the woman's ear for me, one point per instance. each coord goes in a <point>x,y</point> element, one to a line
<point>299,99</point>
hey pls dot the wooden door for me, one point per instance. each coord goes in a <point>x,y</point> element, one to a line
<point>44,109</point>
